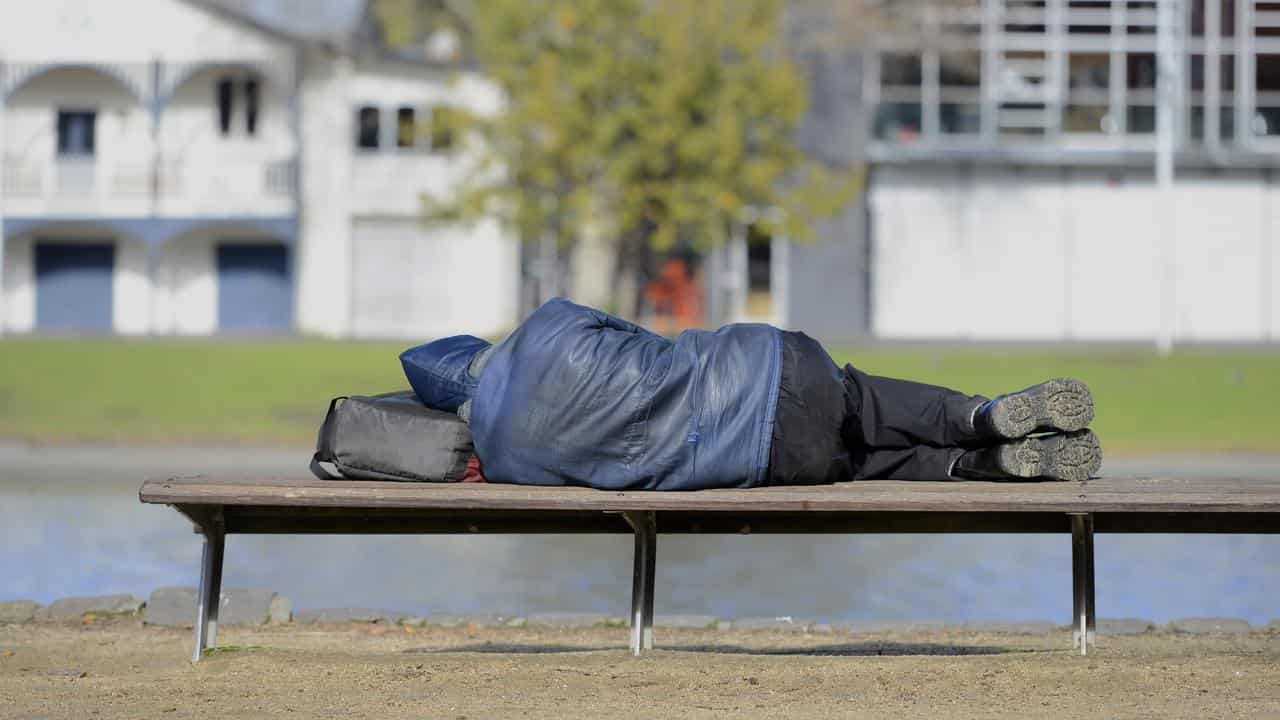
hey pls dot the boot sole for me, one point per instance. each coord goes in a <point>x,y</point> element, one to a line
<point>1066,456</point>
<point>1062,404</point>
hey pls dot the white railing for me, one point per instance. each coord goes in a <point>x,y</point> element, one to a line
<point>89,186</point>
<point>22,179</point>
<point>76,175</point>
<point>281,177</point>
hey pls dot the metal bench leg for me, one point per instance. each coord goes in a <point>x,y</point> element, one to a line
<point>210,592</point>
<point>1084,610</point>
<point>643,571</point>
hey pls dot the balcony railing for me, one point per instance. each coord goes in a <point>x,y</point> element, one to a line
<point>89,185</point>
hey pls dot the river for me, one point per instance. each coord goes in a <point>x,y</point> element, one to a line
<point>71,524</point>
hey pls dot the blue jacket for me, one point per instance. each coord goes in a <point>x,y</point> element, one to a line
<point>576,396</point>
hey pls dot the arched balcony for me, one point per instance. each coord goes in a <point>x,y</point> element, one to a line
<point>226,141</point>
<point>148,139</point>
<point>76,139</point>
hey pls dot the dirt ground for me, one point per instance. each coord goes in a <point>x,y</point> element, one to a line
<point>121,669</point>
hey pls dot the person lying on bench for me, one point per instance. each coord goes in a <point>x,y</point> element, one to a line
<point>575,396</point>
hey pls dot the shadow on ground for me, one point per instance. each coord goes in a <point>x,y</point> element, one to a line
<point>863,649</point>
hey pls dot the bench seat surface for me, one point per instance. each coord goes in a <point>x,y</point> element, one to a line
<point>1108,494</point>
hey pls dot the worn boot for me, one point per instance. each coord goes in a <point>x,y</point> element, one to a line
<point>1061,456</point>
<point>1061,405</point>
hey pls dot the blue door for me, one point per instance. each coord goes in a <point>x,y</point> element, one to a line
<point>73,286</point>
<point>254,291</point>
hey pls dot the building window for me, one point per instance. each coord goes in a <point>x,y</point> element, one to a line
<point>899,118</point>
<point>225,92</point>
<point>225,96</point>
<point>368,126</point>
<point>406,128</point>
<point>1074,73</point>
<point>1088,106</point>
<point>76,132</point>
<point>251,103</point>
<point>959,93</point>
<point>759,273</point>
<point>444,128</point>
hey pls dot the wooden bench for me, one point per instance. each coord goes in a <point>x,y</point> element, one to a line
<point>219,506</point>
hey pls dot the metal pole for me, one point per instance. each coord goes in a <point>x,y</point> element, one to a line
<point>1169,70</point>
<point>643,570</point>
<point>1084,614</point>
<point>3,239</point>
<point>650,568</point>
<point>209,596</point>
<point>930,87</point>
<point>637,594</point>
<point>1244,85</point>
<point>1212,124</point>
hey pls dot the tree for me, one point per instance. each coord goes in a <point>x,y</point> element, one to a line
<point>662,121</point>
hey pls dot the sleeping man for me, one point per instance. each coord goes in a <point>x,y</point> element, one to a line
<point>576,396</point>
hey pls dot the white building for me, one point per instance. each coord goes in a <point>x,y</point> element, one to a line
<point>1012,193</point>
<point>168,167</point>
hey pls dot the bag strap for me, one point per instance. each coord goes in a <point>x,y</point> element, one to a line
<point>318,470</point>
<point>324,444</point>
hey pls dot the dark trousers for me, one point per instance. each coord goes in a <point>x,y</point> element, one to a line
<point>833,425</point>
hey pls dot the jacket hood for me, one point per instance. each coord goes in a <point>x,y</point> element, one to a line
<point>438,370</point>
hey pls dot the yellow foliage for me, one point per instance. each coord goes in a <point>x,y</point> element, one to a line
<point>668,115</point>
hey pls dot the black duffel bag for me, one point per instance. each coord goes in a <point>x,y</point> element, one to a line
<point>392,436</point>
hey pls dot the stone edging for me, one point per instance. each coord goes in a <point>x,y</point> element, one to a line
<point>173,607</point>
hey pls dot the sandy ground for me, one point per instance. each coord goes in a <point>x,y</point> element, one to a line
<point>120,669</point>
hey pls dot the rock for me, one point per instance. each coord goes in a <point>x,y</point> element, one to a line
<point>73,608</point>
<point>1209,626</point>
<point>574,620</point>
<point>465,619</point>
<point>1125,626</point>
<point>517,622</point>
<point>1016,627</point>
<point>414,621</point>
<point>337,615</point>
<point>176,607</point>
<point>724,626</point>
<point>171,606</point>
<point>18,611</point>
<point>871,627</point>
<point>280,611</point>
<point>1273,626</point>
<point>785,623</point>
<point>698,622</point>
<point>246,606</point>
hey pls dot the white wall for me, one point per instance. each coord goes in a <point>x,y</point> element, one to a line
<point>414,282</point>
<point>322,263</point>
<point>18,304</point>
<point>1271,230</point>
<point>1071,254</point>
<point>187,287</point>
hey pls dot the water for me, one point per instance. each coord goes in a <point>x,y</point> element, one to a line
<point>71,524</point>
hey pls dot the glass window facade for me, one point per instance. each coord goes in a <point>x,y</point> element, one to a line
<point>1066,74</point>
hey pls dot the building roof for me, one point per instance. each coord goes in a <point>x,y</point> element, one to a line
<point>347,26</point>
<point>329,22</point>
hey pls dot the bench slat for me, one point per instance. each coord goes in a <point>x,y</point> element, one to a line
<point>1117,494</point>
